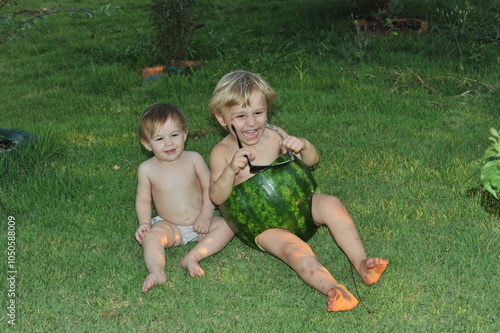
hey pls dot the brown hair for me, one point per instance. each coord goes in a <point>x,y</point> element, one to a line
<point>158,114</point>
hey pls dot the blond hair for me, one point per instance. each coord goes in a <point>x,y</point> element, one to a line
<point>236,88</point>
<point>158,114</point>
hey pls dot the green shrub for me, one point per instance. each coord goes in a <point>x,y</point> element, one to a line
<point>489,165</point>
<point>173,23</point>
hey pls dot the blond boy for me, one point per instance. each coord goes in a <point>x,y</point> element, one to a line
<point>242,99</point>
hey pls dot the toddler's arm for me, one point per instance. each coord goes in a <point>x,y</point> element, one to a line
<point>202,222</point>
<point>143,203</point>
<point>141,230</point>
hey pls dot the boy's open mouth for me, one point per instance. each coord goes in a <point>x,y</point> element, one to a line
<point>251,135</point>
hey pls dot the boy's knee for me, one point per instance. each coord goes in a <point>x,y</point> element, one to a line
<point>296,250</point>
<point>333,206</point>
<point>302,262</point>
<point>334,201</point>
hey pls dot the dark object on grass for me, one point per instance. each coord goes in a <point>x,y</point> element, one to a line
<point>377,19</point>
<point>400,25</point>
<point>154,73</point>
<point>13,141</point>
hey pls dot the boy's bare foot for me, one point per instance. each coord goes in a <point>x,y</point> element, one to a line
<point>190,263</point>
<point>152,280</point>
<point>371,269</point>
<point>339,299</point>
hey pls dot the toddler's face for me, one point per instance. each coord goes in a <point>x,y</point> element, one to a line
<point>167,142</point>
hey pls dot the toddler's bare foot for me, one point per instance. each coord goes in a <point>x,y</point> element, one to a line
<point>339,299</point>
<point>190,263</point>
<point>371,269</point>
<point>152,280</point>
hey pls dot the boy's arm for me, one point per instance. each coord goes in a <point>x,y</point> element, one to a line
<point>308,153</point>
<point>305,149</point>
<point>222,174</point>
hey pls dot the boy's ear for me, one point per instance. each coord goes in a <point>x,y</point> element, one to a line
<point>221,119</point>
<point>186,132</point>
<point>146,145</point>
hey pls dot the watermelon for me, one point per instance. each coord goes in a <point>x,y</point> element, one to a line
<point>276,198</point>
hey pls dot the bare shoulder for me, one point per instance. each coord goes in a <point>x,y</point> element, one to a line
<point>219,148</point>
<point>281,130</point>
<point>146,166</point>
<point>285,133</point>
<point>192,156</point>
<point>222,148</point>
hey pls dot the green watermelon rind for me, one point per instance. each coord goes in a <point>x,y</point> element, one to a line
<point>275,198</point>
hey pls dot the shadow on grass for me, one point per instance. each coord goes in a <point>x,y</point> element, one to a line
<point>490,204</point>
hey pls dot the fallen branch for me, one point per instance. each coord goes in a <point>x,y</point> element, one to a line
<point>39,14</point>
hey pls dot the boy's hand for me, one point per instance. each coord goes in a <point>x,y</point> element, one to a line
<point>240,159</point>
<point>296,145</point>
<point>202,223</point>
<point>142,229</point>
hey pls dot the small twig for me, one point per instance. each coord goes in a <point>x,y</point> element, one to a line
<point>3,3</point>
<point>481,83</point>
<point>23,23</point>
<point>465,82</point>
<point>42,13</point>
<point>469,92</point>
<point>423,82</point>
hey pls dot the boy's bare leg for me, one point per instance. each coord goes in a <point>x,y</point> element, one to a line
<point>298,255</point>
<point>328,210</point>
<point>215,240</point>
<point>161,236</point>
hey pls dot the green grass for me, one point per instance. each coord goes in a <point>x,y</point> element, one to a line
<point>397,121</point>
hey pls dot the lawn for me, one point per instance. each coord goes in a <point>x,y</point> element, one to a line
<point>397,120</point>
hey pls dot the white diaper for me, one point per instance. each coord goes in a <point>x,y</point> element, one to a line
<point>187,233</point>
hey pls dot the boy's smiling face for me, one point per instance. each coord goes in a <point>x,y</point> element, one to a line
<point>167,142</point>
<point>249,121</point>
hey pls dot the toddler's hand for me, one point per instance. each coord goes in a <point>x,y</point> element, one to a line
<point>142,229</point>
<point>293,143</point>
<point>202,224</point>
